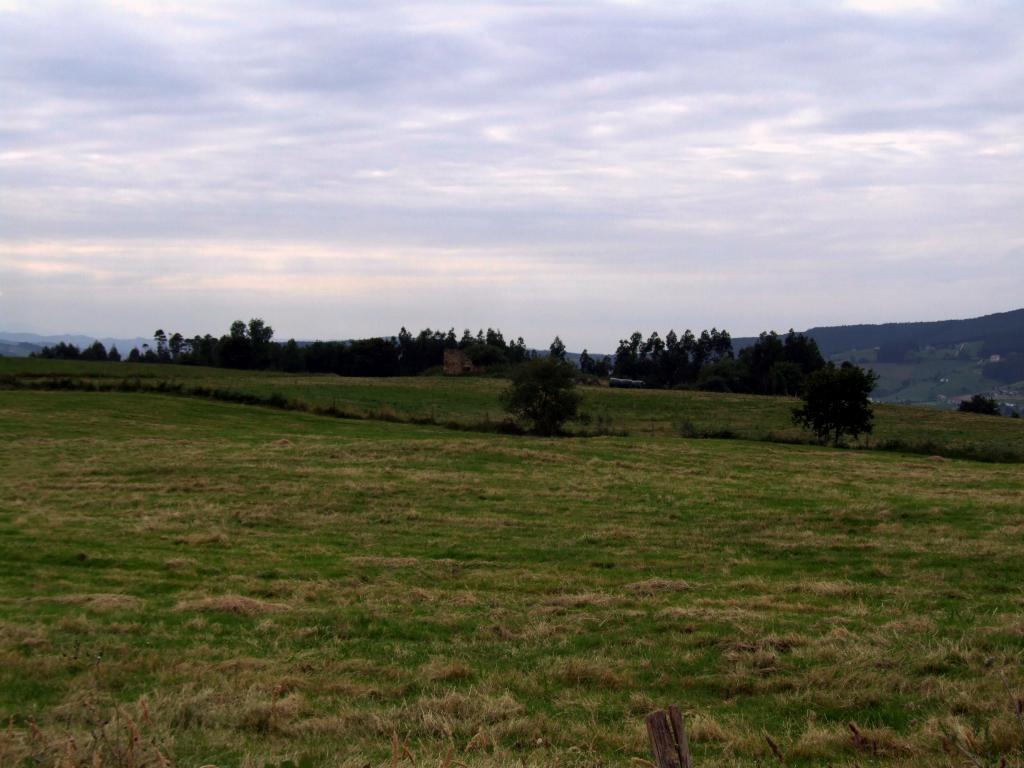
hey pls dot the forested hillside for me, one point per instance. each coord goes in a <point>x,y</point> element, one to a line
<point>1001,333</point>
<point>932,362</point>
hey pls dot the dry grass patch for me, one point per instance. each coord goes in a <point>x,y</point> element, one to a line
<point>498,630</point>
<point>592,672</point>
<point>819,742</point>
<point>384,562</point>
<point>122,736</point>
<point>102,602</point>
<point>750,663</point>
<point>657,586</point>
<point>346,726</point>
<point>357,666</point>
<point>580,600</point>
<point>75,625</point>
<point>1005,734</point>
<point>438,670</point>
<point>766,644</point>
<point>353,689</point>
<point>204,539</point>
<point>703,728</point>
<point>271,715</point>
<point>878,742</point>
<point>241,667</point>
<point>180,564</point>
<point>236,604</point>
<point>910,626</point>
<point>828,588</point>
<point>640,704</point>
<point>460,714</point>
<point>26,637</point>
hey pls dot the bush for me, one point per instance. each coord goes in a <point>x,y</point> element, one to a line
<point>986,406</point>
<point>543,393</point>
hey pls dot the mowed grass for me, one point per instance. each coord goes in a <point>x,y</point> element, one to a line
<point>244,585</point>
<point>641,413</point>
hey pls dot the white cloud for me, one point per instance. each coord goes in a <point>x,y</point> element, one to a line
<point>895,7</point>
<point>633,164</point>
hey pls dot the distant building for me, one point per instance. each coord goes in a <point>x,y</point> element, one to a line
<point>626,383</point>
<point>457,362</point>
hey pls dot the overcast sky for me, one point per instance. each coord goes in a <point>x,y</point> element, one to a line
<point>582,168</point>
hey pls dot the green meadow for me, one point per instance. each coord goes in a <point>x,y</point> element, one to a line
<point>190,582</point>
<point>474,401</point>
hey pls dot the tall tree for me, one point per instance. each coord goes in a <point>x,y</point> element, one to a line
<point>260,335</point>
<point>586,362</point>
<point>235,349</point>
<point>495,339</point>
<point>557,350</point>
<point>627,356</point>
<point>175,345</point>
<point>162,353</point>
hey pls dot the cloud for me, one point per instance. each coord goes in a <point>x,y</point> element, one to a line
<point>897,7</point>
<point>634,164</point>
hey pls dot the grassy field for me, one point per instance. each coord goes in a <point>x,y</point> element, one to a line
<point>638,412</point>
<point>239,585</point>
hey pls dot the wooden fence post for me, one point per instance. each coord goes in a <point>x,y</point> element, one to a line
<point>682,742</point>
<point>669,744</point>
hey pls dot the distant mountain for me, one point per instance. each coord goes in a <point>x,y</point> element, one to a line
<point>1000,333</point>
<point>18,348</point>
<point>22,344</point>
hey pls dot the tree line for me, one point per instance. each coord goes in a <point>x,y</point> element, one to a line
<point>773,365</point>
<point>251,346</point>
<point>95,351</point>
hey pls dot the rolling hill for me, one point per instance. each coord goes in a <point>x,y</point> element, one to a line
<point>933,362</point>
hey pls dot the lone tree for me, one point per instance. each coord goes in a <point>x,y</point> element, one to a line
<point>986,406</point>
<point>836,402</point>
<point>543,393</point>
